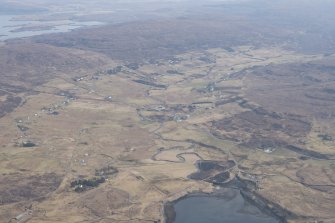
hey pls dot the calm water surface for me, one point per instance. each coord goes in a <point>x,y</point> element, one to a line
<point>7,25</point>
<point>231,208</point>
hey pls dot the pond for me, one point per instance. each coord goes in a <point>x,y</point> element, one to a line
<point>228,207</point>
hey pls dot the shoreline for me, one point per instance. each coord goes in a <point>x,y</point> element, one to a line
<point>278,213</point>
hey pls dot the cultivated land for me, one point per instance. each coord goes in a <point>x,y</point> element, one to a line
<point>96,127</point>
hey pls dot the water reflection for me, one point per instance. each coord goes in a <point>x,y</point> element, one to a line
<point>8,27</point>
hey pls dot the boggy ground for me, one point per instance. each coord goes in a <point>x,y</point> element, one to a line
<point>102,140</point>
